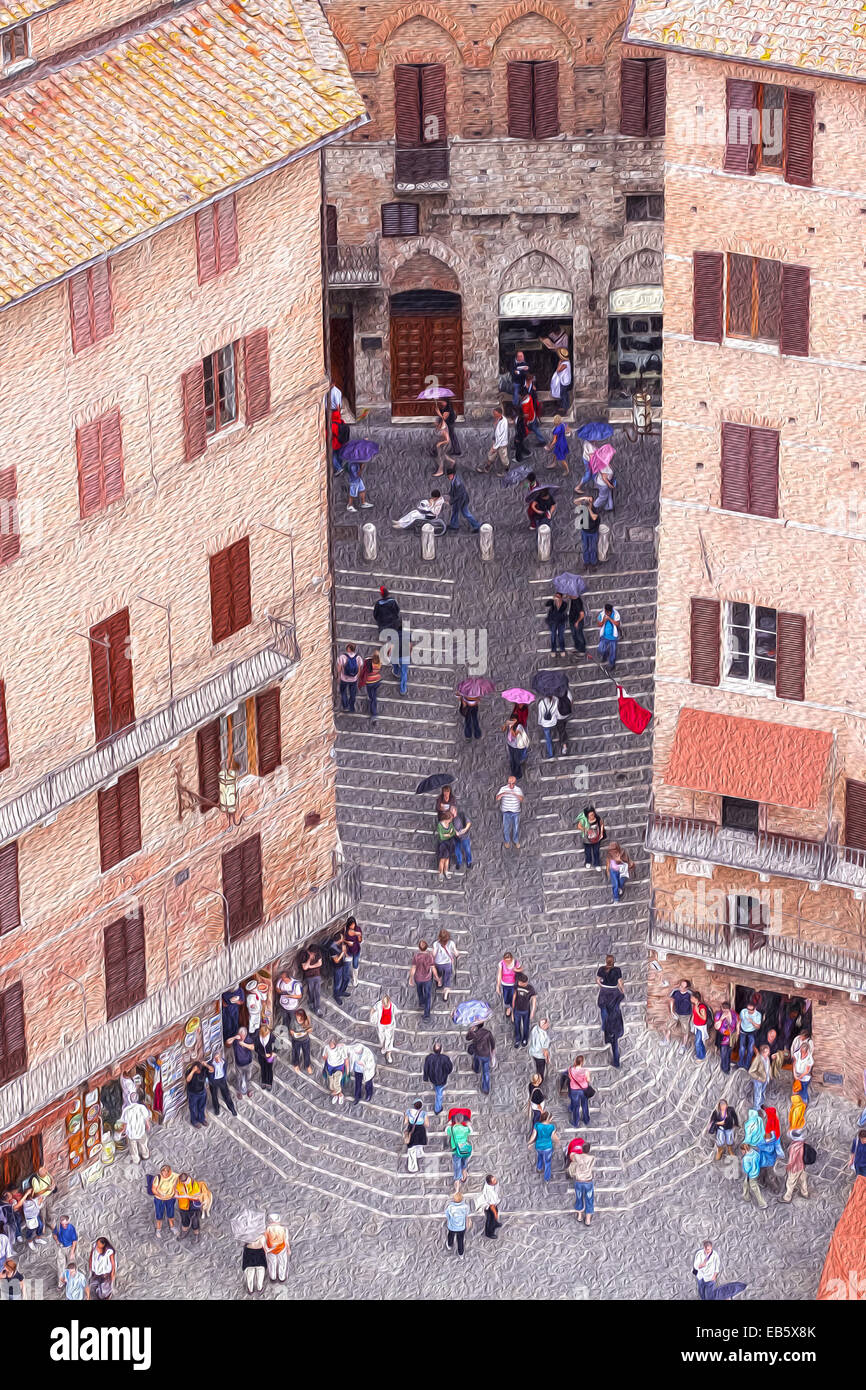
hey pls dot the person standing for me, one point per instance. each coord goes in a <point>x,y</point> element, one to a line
<point>196,1093</point>
<point>264,1048</point>
<point>218,1083</point>
<point>445,955</point>
<point>13,1279</point>
<point>254,1264</point>
<point>289,991</point>
<point>726,1022</point>
<point>437,1069</point>
<point>443,443</point>
<point>759,1071</point>
<point>341,966</point>
<point>795,1168</point>
<point>489,1203</point>
<point>231,1013</point>
<point>700,1025</point>
<point>363,1065</point>
<point>590,521</point>
<point>576,620</point>
<point>592,832</point>
<point>481,1046</point>
<point>164,1193</point>
<point>563,714</point>
<point>422,973</point>
<point>680,1009</point>
<point>544,1138</point>
<point>560,382</point>
<point>706,1268</point>
<point>499,449</point>
<point>857,1161</point>
<point>243,1051</point>
<point>579,1087</point>
<point>44,1189</point>
<point>519,373</point>
<point>458,1132</point>
<point>300,1034</point>
<point>459,499</point>
<point>525,1004</point>
<point>469,714</point>
<point>539,1047</point>
<point>277,1249</point>
<point>457,1223</point>
<point>558,445</point>
<point>750,1022</point>
<point>354,939</point>
<point>548,718</point>
<point>445,835</point>
<point>311,970</point>
<point>608,634</point>
<point>415,1134</point>
<point>66,1239</point>
<point>802,1061</point>
<point>521,434</point>
<point>611,992</point>
<point>556,619</point>
<point>529,408</point>
<point>618,867</point>
<point>510,800</point>
<point>536,1101</point>
<point>517,743</point>
<point>723,1122</point>
<point>371,677</point>
<point>462,844</point>
<point>751,1165</point>
<point>103,1270</point>
<point>580,1171</point>
<point>135,1119</point>
<point>384,1015</point>
<point>506,975</point>
<point>348,670</point>
<point>336,1060</point>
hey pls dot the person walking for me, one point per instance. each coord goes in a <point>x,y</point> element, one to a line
<point>506,974</point>
<point>750,1023</point>
<point>459,499</point>
<point>760,1072</point>
<point>394,635</point>
<point>386,612</point>
<point>164,1193</point>
<point>462,845</point>
<point>529,407</point>
<point>354,939</point>
<point>218,1084</point>
<point>348,670</point>
<point>469,715</point>
<point>75,1283</point>
<point>564,710</point>
<point>558,445</point>
<point>521,435</point>
<point>135,1119</point>
<point>588,522</point>
<point>576,620</point>
<point>445,955</point>
<point>857,1161</point>
<point>539,1047</point>
<point>363,1065</point>
<point>580,1170</point>
<point>525,1004</point>
<point>726,1022</point>
<point>517,743</point>
<point>415,1133</point>
<point>437,1069</point>
<point>536,1101</point>
<point>443,443</point>
<point>277,1249</point>
<point>254,1264</point>
<point>481,1047</point>
<point>370,679</point>
<point>300,1034</point>
<point>311,970</point>
<point>510,801</point>
<point>618,867</point>
<point>457,1223</point>
<point>266,1053</point>
<point>335,1060</point>
<point>498,452</point>
<point>384,1016</point>
<point>611,992</point>
<point>795,1168</point>
<point>458,1132</point>
<point>445,836</point>
<point>341,966</point>
<point>548,719</point>
<point>357,487</point>
<point>544,1138</point>
<point>609,626</point>
<point>706,1267</point>
<point>445,408</point>
<point>680,1009</point>
<point>579,1090</point>
<point>243,1051</point>
<point>700,1025</point>
<point>422,973</point>
<point>802,1062</point>
<point>195,1077</point>
<point>560,382</point>
<point>66,1242</point>
<point>103,1270</point>
<point>592,832</point>
<point>751,1165</point>
<point>489,1202</point>
<point>723,1123</point>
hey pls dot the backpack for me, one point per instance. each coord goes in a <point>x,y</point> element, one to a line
<point>463,1149</point>
<point>565,707</point>
<point>809,1156</point>
<point>350,666</point>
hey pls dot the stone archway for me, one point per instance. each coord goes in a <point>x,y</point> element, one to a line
<point>648,239</point>
<point>535,269</point>
<point>424,272</point>
<point>645,267</point>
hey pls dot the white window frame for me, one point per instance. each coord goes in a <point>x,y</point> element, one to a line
<point>750,685</point>
<point>16,64</point>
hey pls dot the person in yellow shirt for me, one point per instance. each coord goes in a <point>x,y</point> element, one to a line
<point>164,1192</point>
<point>190,1196</point>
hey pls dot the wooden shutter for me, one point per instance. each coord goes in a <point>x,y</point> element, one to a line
<point>268,731</point>
<point>706,641</point>
<point>206,245</point>
<point>111,675</point>
<point>233,890</point>
<point>99,447</point>
<point>79,311</point>
<point>656,96</point>
<point>742,101</point>
<point>407,106</point>
<point>194,422</point>
<point>763,473</point>
<point>207,742</point>
<point>10,532</point>
<point>741,295</point>
<point>790,656</point>
<point>520,101</point>
<point>794,334</point>
<point>799,136</point>
<point>408,219</point>
<point>226,217</point>
<point>111,448</point>
<point>708,296</point>
<point>220,596</point>
<point>391,219</point>
<point>855,814</point>
<point>136,959</point>
<point>4,729</point>
<point>239,579</point>
<point>119,812</point>
<point>100,296</point>
<point>735,468</point>
<point>242,886</point>
<point>434,80</point>
<point>330,224</point>
<point>13,1038</point>
<point>125,964</point>
<point>633,96</point>
<point>10,914</point>
<point>545,100</point>
<point>257,375</point>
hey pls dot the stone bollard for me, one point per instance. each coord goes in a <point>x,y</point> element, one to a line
<point>486,539</point>
<point>428,542</point>
<point>544,542</point>
<point>368,540</point>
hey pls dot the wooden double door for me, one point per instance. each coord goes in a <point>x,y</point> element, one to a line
<point>426,341</point>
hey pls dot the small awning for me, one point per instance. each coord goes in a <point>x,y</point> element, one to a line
<point>776,764</point>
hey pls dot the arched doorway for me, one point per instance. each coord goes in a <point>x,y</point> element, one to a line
<point>426,341</point>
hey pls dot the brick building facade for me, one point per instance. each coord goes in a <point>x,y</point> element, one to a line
<point>759,824</point>
<point>493,198</point>
<point>163,614</point>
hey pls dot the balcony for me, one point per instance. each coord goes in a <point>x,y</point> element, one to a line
<point>758,851</point>
<point>353,266</point>
<point>846,868</point>
<point>423,170</point>
<point>151,734</point>
<point>790,957</point>
<point>106,1045</point>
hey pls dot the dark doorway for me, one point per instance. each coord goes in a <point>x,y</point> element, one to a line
<point>342,351</point>
<point>749,918</point>
<point>738,814</point>
<point>789,1014</point>
<point>426,341</point>
<point>21,1162</point>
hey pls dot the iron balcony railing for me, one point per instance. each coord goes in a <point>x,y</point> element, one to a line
<point>760,851</point>
<point>846,868</point>
<point>151,734</point>
<point>426,169</point>
<point>106,1045</point>
<point>353,265</point>
<point>763,952</point>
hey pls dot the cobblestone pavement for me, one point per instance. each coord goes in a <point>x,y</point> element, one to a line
<point>360,1224</point>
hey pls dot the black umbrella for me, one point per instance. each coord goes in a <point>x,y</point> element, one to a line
<point>542,487</point>
<point>550,683</point>
<point>434,782</point>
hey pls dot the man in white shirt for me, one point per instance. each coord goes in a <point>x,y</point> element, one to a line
<point>364,1069</point>
<point>539,1046</point>
<point>510,801</point>
<point>499,449</point>
<point>706,1266</point>
<point>560,382</point>
<point>289,993</point>
<point>135,1118</point>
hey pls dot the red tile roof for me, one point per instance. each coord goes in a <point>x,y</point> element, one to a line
<point>773,763</point>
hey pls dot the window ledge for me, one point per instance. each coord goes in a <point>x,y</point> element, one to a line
<point>734,687</point>
<point>21,66</point>
<point>753,345</point>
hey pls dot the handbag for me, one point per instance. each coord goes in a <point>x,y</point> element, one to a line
<point>590,1092</point>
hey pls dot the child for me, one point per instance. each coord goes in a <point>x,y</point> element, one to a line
<point>559,444</point>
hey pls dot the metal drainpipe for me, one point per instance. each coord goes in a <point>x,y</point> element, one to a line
<point>326,346</point>
<point>84,1012</point>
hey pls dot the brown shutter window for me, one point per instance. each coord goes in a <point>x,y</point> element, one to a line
<point>735,468</point>
<point>13,1038</point>
<point>79,311</point>
<point>226,217</point>
<point>100,295</point>
<point>407,106</point>
<point>855,814</point>
<point>545,100</point>
<point>90,309</point>
<point>763,472</point>
<point>257,377</point>
<point>230,590</point>
<point>205,245</point>
<point>111,675</point>
<point>520,101</point>
<point>433,96</point>
<point>268,731</point>
<point>741,149</point>
<point>4,729</point>
<point>10,913</point>
<point>207,742</point>
<point>706,641</point>
<point>790,656</point>
<point>99,446</point>
<point>194,420</point>
<point>119,820</point>
<point>794,334</point>
<point>656,96</point>
<point>633,96</point>
<point>242,887</point>
<point>10,530</point>
<point>708,296</point>
<point>125,964</point>
<point>799,136</point>
<point>400,219</point>
<point>330,224</point>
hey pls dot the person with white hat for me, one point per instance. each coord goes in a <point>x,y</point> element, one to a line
<point>795,1169</point>
<point>277,1249</point>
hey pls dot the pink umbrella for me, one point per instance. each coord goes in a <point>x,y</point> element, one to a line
<point>433,393</point>
<point>518,696</point>
<point>600,458</point>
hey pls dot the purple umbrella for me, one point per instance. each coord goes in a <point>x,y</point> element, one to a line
<point>358,451</point>
<point>469,1012</point>
<point>476,687</point>
<point>570,585</point>
<point>515,475</point>
<point>595,431</point>
<point>433,393</point>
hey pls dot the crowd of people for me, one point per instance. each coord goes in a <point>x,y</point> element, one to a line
<point>30,1224</point>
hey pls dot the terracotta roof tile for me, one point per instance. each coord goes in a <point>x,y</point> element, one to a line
<point>112,145</point>
<point>777,764</point>
<point>821,36</point>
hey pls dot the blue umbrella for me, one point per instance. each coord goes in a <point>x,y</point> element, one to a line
<point>358,451</point>
<point>469,1012</point>
<point>595,431</point>
<point>571,585</point>
<point>515,475</point>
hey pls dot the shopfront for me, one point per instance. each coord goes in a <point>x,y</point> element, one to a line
<point>537,322</point>
<point>635,342</point>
